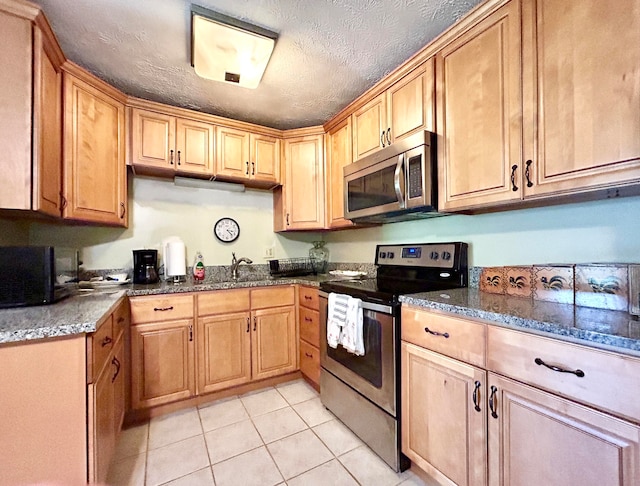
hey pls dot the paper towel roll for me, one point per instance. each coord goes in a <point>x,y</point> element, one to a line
<point>174,259</point>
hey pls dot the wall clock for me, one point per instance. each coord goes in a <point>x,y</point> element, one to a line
<point>226,230</point>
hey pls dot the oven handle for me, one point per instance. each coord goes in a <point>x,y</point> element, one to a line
<point>385,309</point>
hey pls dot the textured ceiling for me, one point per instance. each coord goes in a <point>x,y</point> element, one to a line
<point>328,53</point>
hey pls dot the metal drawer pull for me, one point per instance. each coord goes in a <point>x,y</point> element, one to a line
<point>514,188</point>
<point>436,333</point>
<point>120,319</point>
<point>492,402</point>
<point>475,396</point>
<point>106,340</point>
<point>527,173</point>
<point>248,324</point>
<point>308,355</point>
<point>308,319</point>
<point>255,323</point>
<point>578,373</point>
<point>116,363</point>
<point>162,309</point>
<point>307,297</point>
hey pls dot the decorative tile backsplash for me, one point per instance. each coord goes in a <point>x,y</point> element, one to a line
<point>603,286</point>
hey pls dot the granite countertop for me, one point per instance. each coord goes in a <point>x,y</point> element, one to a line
<point>606,329</point>
<point>77,314</point>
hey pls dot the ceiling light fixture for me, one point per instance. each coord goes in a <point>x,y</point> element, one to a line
<point>207,184</point>
<point>229,50</point>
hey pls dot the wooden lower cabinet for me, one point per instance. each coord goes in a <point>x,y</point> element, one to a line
<point>273,349</point>
<point>443,431</point>
<point>162,362</point>
<point>224,351</point>
<point>539,438</point>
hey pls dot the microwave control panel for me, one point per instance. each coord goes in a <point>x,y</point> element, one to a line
<point>438,255</point>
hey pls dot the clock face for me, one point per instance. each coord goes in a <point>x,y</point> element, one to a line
<point>226,230</point>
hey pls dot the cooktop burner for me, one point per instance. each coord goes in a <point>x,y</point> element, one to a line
<point>408,269</point>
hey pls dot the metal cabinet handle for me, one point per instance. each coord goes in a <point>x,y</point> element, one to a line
<point>492,402</point>
<point>190,332</point>
<point>63,202</point>
<point>382,139</point>
<point>178,157</point>
<point>116,363</point>
<point>436,333</point>
<point>308,355</point>
<point>475,396</point>
<point>578,373</point>
<point>527,173</point>
<point>120,319</point>
<point>287,219</point>
<point>162,309</point>
<point>248,324</point>
<point>247,171</point>
<point>253,168</point>
<point>308,319</point>
<point>106,341</point>
<point>255,323</point>
<point>307,297</point>
<point>171,157</point>
<point>122,210</point>
<point>514,167</point>
<point>389,136</point>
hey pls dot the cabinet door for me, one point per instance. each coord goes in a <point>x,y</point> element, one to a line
<point>410,103</point>
<point>581,89</point>
<point>194,147</point>
<point>232,153</point>
<point>442,430</point>
<point>103,425</point>
<point>162,363</point>
<point>95,185</point>
<point>274,347</point>
<point>369,123</point>
<point>224,351</point>
<point>47,129</point>
<point>304,184</point>
<point>538,438</point>
<point>339,155</point>
<point>479,111</point>
<point>265,158</point>
<point>153,139</point>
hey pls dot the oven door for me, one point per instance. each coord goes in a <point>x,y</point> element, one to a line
<point>375,189</point>
<point>373,375</point>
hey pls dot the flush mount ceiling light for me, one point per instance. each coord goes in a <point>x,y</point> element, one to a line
<point>229,50</point>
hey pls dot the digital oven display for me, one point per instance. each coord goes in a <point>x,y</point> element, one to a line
<point>411,252</point>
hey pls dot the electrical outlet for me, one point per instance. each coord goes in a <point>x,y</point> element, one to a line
<point>269,252</point>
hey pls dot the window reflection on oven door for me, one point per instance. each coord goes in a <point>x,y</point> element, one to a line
<point>373,374</point>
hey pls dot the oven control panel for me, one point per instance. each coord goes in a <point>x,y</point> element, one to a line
<point>439,255</point>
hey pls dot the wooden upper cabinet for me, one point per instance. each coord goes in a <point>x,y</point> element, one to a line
<point>302,204</point>
<point>479,111</point>
<point>369,127</point>
<point>339,155</point>
<point>171,144</point>
<point>244,155</point>
<point>582,97</point>
<point>31,98</point>
<point>410,103</point>
<point>95,187</point>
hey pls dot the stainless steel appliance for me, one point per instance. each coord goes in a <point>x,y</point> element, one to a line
<point>396,183</point>
<point>145,266</point>
<point>364,391</point>
<point>36,275</point>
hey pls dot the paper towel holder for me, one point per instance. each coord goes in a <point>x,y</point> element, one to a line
<point>174,257</point>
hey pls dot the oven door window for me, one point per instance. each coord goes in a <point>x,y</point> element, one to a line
<point>368,366</point>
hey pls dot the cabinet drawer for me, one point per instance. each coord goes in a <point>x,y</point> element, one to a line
<point>223,302</point>
<point>457,338</point>
<point>157,308</point>
<point>310,326</point>
<point>101,343</point>
<point>310,361</point>
<point>272,297</point>
<point>308,297</point>
<point>610,380</point>
<point>120,319</point>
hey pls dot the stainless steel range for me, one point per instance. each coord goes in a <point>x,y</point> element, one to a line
<point>364,391</point>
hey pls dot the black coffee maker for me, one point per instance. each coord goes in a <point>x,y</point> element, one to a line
<point>145,266</point>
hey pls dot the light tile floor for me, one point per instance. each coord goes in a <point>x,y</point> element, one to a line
<point>275,436</point>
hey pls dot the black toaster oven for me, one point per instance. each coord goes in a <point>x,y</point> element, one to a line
<point>36,275</point>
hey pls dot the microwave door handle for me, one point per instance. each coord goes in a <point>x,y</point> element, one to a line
<point>396,181</point>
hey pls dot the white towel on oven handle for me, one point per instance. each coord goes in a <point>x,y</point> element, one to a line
<point>336,317</point>
<point>352,338</point>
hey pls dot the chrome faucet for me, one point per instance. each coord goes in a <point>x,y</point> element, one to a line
<point>235,263</point>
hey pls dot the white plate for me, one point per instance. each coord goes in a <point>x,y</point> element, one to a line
<point>347,273</point>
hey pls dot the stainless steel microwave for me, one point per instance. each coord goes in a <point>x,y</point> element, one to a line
<point>396,183</point>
